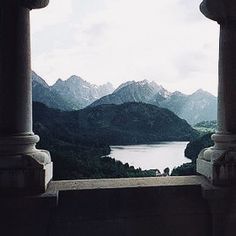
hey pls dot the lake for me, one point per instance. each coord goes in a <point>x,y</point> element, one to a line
<point>152,156</point>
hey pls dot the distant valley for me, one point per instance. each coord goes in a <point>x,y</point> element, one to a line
<point>78,121</point>
<point>78,139</point>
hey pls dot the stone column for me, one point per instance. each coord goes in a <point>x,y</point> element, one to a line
<point>218,163</point>
<point>23,168</point>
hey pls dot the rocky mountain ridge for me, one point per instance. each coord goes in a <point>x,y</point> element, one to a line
<point>76,93</point>
<point>71,94</point>
<point>194,108</point>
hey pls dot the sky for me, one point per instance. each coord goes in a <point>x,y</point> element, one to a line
<point>169,42</point>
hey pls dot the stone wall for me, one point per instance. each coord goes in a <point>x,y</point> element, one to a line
<point>132,207</point>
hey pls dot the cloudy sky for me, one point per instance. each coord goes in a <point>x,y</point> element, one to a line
<point>169,42</point>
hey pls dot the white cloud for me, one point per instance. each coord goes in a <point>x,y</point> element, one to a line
<point>169,42</point>
<point>58,11</point>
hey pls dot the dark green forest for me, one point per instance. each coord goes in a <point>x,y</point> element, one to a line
<point>192,150</point>
<point>78,140</point>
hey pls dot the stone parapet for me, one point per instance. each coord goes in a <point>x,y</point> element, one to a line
<point>163,206</point>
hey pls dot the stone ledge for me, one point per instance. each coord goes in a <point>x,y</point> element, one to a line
<point>132,206</point>
<point>164,205</point>
<point>65,185</point>
<point>177,183</point>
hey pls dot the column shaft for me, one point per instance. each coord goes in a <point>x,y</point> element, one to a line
<point>15,77</point>
<point>23,168</point>
<point>227,80</point>
<point>218,163</point>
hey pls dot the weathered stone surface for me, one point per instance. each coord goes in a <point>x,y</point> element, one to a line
<point>146,206</point>
<point>219,166</point>
<point>27,173</point>
<point>67,185</point>
<point>170,206</point>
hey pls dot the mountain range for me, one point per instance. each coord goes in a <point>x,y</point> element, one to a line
<point>76,93</point>
<point>71,94</point>
<point>194,108</point>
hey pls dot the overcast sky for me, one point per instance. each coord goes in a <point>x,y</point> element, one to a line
<point>169,42</point>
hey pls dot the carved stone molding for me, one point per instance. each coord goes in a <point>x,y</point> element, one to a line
<point>219,10</point>
<point>34,4</point>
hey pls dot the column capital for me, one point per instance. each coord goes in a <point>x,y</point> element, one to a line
<point>222,11</point>
<point>30,4</point>
<point>34,4</point>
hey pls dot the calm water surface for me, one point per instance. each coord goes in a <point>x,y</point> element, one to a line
<point>152,156</point>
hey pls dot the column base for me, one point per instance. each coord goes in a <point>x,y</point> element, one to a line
<point>23,168</point>
<point>25,173</point>
<point>219,166</point>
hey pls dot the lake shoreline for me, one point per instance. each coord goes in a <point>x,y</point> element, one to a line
<point>147,156</point>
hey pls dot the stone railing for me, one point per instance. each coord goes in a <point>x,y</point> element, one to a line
<point>124,207</point>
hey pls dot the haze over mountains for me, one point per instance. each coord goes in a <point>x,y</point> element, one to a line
<point>194,108</point>
<point>79,92</point>
<point>72,94</point>
<point>75,93</point>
